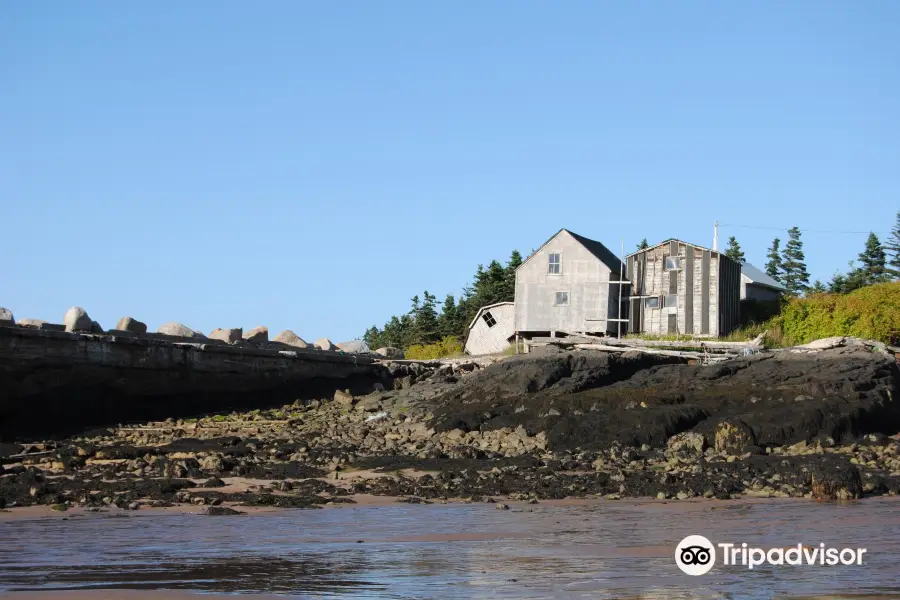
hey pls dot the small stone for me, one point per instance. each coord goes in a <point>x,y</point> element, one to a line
<point>132,325</point>
<point>689,442</point>
<point>682,495</point>
<point>660,495</point>
<point>229,336</point>
<point>134,506</point>
<point>221,511</point>
<point>501,506</point>
<point>257,335</point>
<point>77,319</point>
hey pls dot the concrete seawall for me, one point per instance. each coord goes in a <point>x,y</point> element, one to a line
<point>54,382</point>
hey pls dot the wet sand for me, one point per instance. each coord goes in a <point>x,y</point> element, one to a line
<point>590,548</point>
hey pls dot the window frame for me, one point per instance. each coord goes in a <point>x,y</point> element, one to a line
<point>647,302</point>
<point>558,264</point>
<point>676,258</point>
<point>489,319</point>
<point>556,298</point>
<point>666,299</point>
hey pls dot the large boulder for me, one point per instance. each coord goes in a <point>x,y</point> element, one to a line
<point>835,479</point>
<point>132,325</point>
<point>290,338</point>
<point>257,335</point>
<point>733,436</point>
<point>32,323</point>
<point>392,353</point>
<point>354,347</point>
<point>229,336</point>
<point>688,443</point>
<point>6,317</point>
<point>324,344</point>
<point>77,319</point>
<point>179,330</point>
<point>343,398</point>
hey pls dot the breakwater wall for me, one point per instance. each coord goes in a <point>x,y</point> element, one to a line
<point>56,382</point>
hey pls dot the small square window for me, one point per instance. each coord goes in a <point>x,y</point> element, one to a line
<point>555,265</point>
<point>671,301</point>
<point>673,263</point>
<point>562,299</point>
<point>489,319</point>
<point>651,302</point>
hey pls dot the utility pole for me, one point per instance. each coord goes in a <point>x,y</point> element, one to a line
<point>716,236</point>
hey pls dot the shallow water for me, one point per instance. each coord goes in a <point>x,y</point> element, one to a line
<point>604,549</point>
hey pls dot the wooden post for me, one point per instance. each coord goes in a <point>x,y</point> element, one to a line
<point>619,312</point>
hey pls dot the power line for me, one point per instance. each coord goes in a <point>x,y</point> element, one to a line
<point>803,230</point>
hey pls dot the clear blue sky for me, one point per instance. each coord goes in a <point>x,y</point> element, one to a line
<point>312,165</point>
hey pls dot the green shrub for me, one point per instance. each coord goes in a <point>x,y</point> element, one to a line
<point>449,346</point>
<point>872,312</point>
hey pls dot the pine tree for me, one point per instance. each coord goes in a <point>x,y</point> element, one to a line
<point>509,277</point>
<point>734,250</point>
<point>817,288</point>
<point>773,266</point>
<point>892,246</point>
<point>427,321</point>
<point>872,261</point>
<point>448,322</point>
<point>643,245</point>
<point>796,278</point>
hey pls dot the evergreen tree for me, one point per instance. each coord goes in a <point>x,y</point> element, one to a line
<point>817,288</point>
<point>773,266</point>
<point>892,246</point>
<point>844,284</point>
<point>796,278</point>
<point>872,261</point>
<point>448,322</point>
<point>734,251</point>
<point>509,276</point>
<point>427,321</point>
<point>643,245</point>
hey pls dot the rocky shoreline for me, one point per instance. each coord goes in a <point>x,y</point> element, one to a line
<point>546,426</point>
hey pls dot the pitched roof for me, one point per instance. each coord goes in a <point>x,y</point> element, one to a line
<point>601,252</point>
<point>484,308</point>
<point>673,240</point>
<point>759,277</point>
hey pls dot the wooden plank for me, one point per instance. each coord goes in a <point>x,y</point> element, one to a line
<point>689,290</point>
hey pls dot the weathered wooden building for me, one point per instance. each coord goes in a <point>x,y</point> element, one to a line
<point>571,285</point>
<point>492,329</point>
<point>681,288</point>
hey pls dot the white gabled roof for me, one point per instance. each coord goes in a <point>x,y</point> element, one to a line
<point>484,308</point>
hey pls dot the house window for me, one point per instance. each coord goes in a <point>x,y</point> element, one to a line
<point>489,319</point>
<point>651,302</point>
<point>555,265</point>
<point>562,299</point>
<point>673,263</point>
<point>671,301</point>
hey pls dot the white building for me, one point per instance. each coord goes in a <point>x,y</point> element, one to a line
<point>492,329</point>
<point>757,285</point>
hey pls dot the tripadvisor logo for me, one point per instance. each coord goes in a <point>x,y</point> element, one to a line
<point>696,555</point>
